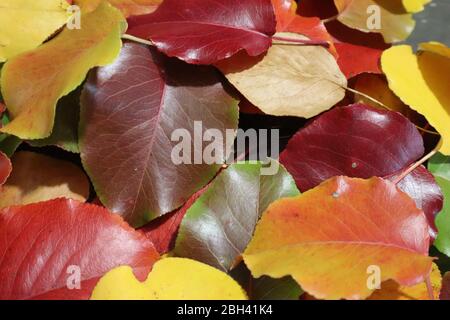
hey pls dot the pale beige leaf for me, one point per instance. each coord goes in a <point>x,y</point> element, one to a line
<point>290,80</point>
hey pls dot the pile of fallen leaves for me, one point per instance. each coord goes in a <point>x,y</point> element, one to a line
<point>94,207</point>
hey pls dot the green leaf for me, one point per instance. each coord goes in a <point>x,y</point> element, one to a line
<point>220,224</point>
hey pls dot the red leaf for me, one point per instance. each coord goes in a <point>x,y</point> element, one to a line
<point>206,31</point>
<point>129,111</point>
<point>41,241</point>
<point>163,231</point>
<point>421,186</point>
<point>354,59</point>
<point>445,291</point>
<point>355,141</point>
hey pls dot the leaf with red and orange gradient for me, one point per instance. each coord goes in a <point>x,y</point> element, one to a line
<point>33,82</point>
<point>328,237</point>
<point>128,7</point>
<point>5,168</point>
<point>46,246</point>
<point>289,21</point>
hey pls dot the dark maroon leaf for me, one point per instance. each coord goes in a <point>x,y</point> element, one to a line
<point>422,187</point>
<point>206,31</point>
<point>355,141</point>
<point>46,246</point>
<point>129,111</point>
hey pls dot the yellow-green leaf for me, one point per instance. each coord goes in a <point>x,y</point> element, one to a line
<point>421,81</point>
<point>414,6</point>
<point>34,81</point>
<point>170,279</point>
<point>25,24</point>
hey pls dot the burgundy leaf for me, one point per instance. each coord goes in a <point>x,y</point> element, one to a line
<point>163,231</point>
<point>129,111</point>
<point>44,244</point>
<point>355,141</point>
<point>421,186</point>
<point>206,31</point>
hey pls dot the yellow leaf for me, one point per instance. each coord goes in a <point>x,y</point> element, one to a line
<point>34,81</point>
<point>36,178</point>
<point>289,80</point>
<point>414,6</point>
<point>170,279</point>
<point>391,290</point>
<point>395,24</point>
<point>25,24</point>
<point>421,81</point>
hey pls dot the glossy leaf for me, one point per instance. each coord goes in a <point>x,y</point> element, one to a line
<point>170,279</point>
<point>219,225</point>
<point>215,30</point>
<point>422,187</point>
<point>421,81</point>
<point>32,108</point>
<point>130,110</point>
<point>289,80</point>
<point>355,59</point>
<point>337,231</point>
<point>46,245</point>
<point>37,178</point>
<point>25,24</point>
<point>356,141</point>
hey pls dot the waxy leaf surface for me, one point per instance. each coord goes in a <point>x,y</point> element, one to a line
<point>337,231</point>
<point>130,110</point>
<point>206,31</point>
<point>170,279</point>
<point>356,141</point>
<point>36,177</point>
<point>57,68</point>
<point>219,225</point>
<point>44,244</point>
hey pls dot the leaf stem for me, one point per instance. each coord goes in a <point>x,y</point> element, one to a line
<point>306,42</point>
<point>136,39</point>
<point>418,163</point>
<point>330,19</point>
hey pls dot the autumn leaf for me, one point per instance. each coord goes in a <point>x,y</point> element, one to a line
<point>45,243</point>
<point>356,141</point>
<point>289,80</point>
<point>132,169</point>
<point>421,81</point>
<point>354,59</point>
<point>163,231</point>
<point>37,178</point>
<point>336,231</point>
<point>219,225</point>
<point>136,7</point>
<point>204,36</point>
<point>65,129</point>
<point>390,290</point>
<point>445,291</point>
<point>414,6</point>
<point>25,24</point>
<point>170,279</point>
<point>394,23</point>
<point>439,165</point>
<point>53,75</point>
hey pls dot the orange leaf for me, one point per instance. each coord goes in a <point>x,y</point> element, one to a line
<point>330,238</point>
